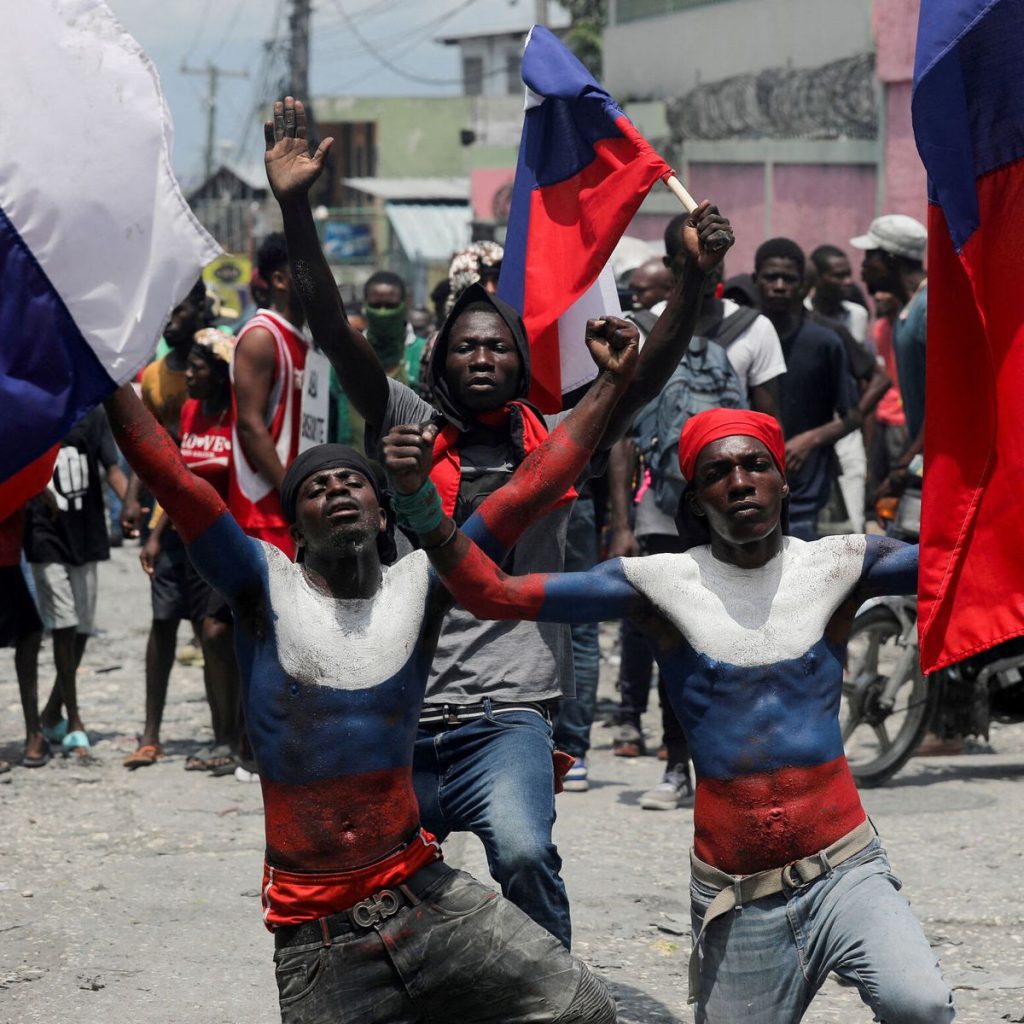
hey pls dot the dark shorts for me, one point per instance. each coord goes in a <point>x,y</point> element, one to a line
<point>18,615</point>
<point>179,592</point>
<point>462,953</point>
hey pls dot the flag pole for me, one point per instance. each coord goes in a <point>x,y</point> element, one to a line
<point>718,240</point>
<point>675,186</point>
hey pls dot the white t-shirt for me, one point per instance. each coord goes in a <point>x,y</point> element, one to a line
<point>756,355</point>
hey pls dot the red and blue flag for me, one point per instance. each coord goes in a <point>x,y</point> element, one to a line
<point>968,111</point>
<point>583,172</point>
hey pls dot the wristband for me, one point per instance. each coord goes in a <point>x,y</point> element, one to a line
<point>419,512</point>
<point>445,542</point>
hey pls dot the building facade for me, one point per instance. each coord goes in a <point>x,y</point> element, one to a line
<point>793,115</point>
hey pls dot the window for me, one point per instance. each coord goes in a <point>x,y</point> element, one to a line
<point>514,73</point>
<point>473,76</point>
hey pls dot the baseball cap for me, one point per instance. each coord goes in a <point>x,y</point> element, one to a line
<point>896,233</point>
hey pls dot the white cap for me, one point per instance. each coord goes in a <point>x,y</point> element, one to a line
<point>896,233</point>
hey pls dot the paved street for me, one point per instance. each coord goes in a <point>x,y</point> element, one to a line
<point>134,896</point>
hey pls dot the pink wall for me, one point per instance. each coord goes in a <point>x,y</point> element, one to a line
<point>823,203</point>
<point>906,185</point>
<point>738,189</point>
<point>894,24</point>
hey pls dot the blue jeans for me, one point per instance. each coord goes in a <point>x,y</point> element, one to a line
<point>576,716</point>
<point>763,963</point>
<point>494,777</point>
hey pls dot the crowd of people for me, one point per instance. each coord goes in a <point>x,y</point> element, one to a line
<point>379,715</point>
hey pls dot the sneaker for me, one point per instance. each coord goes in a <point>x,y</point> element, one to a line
<point>628,741</point>
<point>575,779</point>
<point>673,791</point>
<point>244,775</point>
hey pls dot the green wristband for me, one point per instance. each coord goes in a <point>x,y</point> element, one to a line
<point>419,512</point>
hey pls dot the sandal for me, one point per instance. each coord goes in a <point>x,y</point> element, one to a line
<point>146,755</point>
<point>39,760</point>
<point>197,762</point>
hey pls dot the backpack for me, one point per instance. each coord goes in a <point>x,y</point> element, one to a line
<point>704,379</point>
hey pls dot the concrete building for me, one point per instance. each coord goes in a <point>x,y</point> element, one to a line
<point>794,115</point>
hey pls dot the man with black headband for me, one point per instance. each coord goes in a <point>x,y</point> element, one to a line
<point>789,881</point>
<point>480,375</point>
<point>333,654</point>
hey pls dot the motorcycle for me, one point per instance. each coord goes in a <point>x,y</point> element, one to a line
<point>888,704</point>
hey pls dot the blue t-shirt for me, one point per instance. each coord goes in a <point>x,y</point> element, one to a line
<point>909,333</point>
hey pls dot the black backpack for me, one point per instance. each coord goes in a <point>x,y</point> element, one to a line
<point>704,379</point>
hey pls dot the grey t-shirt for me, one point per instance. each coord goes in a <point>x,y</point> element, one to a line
<point>506,661</point>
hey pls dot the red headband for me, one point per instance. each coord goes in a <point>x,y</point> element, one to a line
<point>714,424</point>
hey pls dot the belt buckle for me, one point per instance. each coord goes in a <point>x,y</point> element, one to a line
<point>375,909</point>
<point>449,716</point>
<point>791,876</point>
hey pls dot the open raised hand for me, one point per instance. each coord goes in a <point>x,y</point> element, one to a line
<point>291,169</point>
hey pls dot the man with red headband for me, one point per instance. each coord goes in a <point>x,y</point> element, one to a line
<point>749,625</point>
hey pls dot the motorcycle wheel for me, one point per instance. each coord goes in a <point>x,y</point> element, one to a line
<point>878,742</point>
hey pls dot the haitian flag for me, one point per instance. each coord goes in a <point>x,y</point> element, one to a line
<point>97,243</point>
<point>968,112</point>
<point>583,172</point>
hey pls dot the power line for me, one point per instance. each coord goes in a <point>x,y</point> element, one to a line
<point>371,49</point>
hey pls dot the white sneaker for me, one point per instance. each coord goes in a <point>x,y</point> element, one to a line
<point>575,779</point>
<point>673,791</point>
<point>243,775</point>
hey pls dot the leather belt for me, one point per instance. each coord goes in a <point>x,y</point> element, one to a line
<point>735,890</point>
<point>368,913</point>
<point>453,715</point>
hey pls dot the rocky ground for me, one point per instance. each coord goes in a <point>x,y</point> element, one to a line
<point>134,896</point>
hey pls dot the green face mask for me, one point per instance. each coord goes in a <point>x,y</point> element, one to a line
<point>385,329</point>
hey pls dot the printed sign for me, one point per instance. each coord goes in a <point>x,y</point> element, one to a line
<point>316,400</point>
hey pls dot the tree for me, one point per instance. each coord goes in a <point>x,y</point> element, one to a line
<point>584,35</point>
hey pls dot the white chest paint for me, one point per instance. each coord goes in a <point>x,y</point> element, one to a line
<point>346,644</point>
<point>752,617</point>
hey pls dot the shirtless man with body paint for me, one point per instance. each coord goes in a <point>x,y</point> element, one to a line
<point>788,879</point>
<point>333,654</point>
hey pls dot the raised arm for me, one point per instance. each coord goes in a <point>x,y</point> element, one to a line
<point>667,342</point>
<point>292,171</point>
<point>220,551</point>
<point>472,577</point>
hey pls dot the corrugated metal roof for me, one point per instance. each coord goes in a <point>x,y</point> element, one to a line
<point>430,231</point>
<point>421,189</point>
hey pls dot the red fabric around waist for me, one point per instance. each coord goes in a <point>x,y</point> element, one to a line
<point>291,897</point>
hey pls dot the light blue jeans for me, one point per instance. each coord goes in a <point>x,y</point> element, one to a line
<point>764,962</point>
<point>494,777</point>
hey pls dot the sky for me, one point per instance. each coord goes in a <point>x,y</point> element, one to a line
<point>234,35</point>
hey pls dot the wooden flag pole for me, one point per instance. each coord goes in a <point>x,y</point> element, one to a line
<point>718,240</point>
<point>675,186</point>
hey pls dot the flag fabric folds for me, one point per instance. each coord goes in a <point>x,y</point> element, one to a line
<point>968,113</point>
<point>583,172</point>
<point>97,243</point>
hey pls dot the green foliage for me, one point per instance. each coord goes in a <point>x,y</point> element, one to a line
<point>584,35</point>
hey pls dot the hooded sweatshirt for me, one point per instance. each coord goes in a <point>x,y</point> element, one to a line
<point>506,661</point>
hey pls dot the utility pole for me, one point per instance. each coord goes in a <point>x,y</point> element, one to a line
<point>540,12</point>
<point>213,76</point>
<point>298,50</point>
